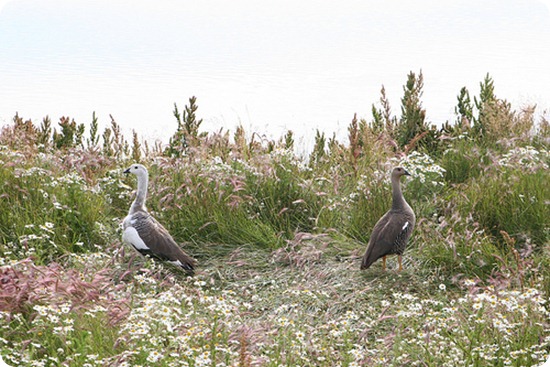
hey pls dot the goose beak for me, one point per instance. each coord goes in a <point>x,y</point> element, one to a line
<point>127,171</point>
<point>406,173</point>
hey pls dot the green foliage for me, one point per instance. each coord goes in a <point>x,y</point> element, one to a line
<point>288,140</point>
<point>136,147</point>
<point>318,152</point>
<point>377,119</point>
<point>187,133</point>
<point>390,122</point>
<point>513,201</point>
<point>108,142</point>
<point>281,198</point>
<point>47,215</point>
<point>413,116</point>
<point>254,191</point>
<point>45,132</point>
<point>456,244</point>
<point>462,160</point>
<point>94,137</point>
<point>70,135</point>
<point>486,98</point>
<point>365,209</point>
<point>278,241</point>
<point>250,307</point>
<point>464,109</point>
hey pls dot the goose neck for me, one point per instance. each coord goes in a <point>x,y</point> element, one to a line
<point>398,201</point>
<point>141,194</point>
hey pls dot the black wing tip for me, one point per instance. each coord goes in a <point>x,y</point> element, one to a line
<point>188,268</point>
<point>366,261</point>
<point>365,265</point>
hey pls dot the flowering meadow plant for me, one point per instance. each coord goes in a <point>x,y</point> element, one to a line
<point>301,317</point>
<point>278,240</point>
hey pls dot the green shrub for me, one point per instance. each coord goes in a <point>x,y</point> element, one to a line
<point>462,161</point>
<point>511,200</point>
<point>45,214</point>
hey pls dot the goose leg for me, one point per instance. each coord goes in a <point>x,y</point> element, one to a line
<point>400,265</point>
<point>384,263</point>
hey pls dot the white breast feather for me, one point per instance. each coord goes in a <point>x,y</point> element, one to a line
<point>131,237</point>
<point>405,226</point>
<point>127,222</point>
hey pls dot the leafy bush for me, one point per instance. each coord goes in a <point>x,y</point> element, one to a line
<point>47,215</point>
<point>512,201</point>
<point>462,160</point>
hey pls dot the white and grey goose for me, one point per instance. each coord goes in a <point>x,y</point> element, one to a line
<point>145,234</point>
<point>391,233</point>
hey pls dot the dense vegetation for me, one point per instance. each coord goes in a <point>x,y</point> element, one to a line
<point>278,239</point>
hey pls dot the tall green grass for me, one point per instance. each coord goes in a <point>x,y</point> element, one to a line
<point>463,160</point>
<point>49,213</point>
<point>72,200</point>
<point>278,240</point>
<point>513,201</point>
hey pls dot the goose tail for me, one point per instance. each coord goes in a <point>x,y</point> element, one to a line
<point>186,263</point>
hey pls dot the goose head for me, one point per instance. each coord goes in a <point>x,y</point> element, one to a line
<point>137,169</point>
<point>398,172</point>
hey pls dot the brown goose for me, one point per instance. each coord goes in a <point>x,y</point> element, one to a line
<point>145,234</point>
<point>391,233</point>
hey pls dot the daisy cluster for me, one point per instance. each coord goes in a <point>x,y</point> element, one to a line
<point>70,297</point>
<point>322,314</point>
<point>526,158</point>
<point>422,168</point>
<point>182,326</point>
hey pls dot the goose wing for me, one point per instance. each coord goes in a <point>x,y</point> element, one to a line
<point>389,236</point>
<point>149,237</point>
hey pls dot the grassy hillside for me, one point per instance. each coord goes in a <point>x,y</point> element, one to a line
<point>278,239</point>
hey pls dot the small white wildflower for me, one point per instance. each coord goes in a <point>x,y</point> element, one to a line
<point>154,356</point>
<point>42,310</point>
